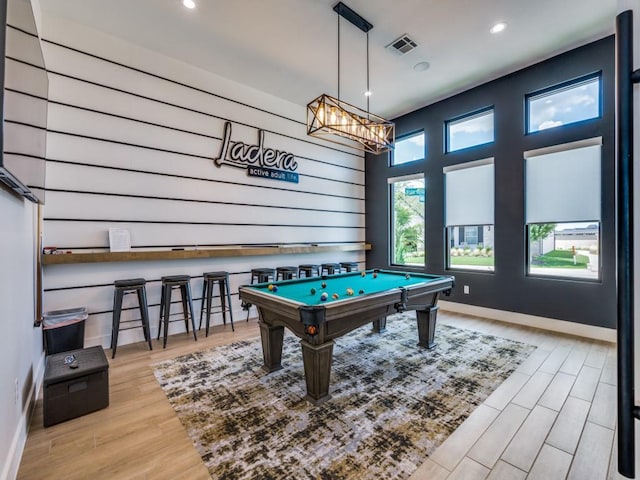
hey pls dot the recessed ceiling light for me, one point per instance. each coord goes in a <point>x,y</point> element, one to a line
<point>368,93</point>
<point>189,3</point>
<point>421,66</point>
<point>498,27</point>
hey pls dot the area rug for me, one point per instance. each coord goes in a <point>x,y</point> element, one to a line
<point>392,402</point>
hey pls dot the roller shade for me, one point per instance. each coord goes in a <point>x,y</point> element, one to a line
<point>564,186</point>
<point>469,194</point>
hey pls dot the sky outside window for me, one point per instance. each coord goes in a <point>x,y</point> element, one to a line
<point>470,131</point>
<point>564,106</point>
<point>409,149</point>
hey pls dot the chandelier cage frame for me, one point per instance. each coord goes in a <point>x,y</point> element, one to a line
<point>335,120</point>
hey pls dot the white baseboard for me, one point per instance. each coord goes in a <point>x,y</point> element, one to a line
<point>14,455</point>
<point>544,323</point>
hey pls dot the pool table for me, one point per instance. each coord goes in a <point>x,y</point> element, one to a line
<point>362,297</point>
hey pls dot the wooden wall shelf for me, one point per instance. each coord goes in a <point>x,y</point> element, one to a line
<point>234,251</point>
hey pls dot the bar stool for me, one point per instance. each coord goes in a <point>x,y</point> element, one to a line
<point>286,273</point>
<point>209,280</point>
<point>262,275</point>
<point>330,268</point>
<point>349,266</point>
<point>183,282</point>
<point>259,275</point>
<point>122,288</point>
<point>309,270</point>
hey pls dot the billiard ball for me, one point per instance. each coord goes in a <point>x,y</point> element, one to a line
<point>335,296</point>
<point>313,291</point>
<point>361,291</point>
<point>349,291</point>
<point>323,284</point>
<point>324,296</point>
<point>375,274</point>
<point>407,276</point>
<point>363,274</point>
<point>270,287</point>
<point>274,289</point>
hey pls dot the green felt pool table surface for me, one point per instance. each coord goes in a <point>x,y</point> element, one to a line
<point>368,281</point>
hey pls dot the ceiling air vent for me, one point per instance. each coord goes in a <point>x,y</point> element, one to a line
<point>402,45</point>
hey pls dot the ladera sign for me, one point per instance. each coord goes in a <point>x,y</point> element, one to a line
<point>258,160</point>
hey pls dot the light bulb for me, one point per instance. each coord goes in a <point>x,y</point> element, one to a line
<point>498,27</point>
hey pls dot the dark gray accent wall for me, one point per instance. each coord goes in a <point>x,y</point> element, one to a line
<point>508,288</point>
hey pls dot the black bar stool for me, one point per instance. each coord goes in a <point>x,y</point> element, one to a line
<point>309,270</point>
<point>261,275</point>
<point>209,280</point>
<point>286,273</point>
<point>349,266</point>
<point>330,268</point>
<point>122,288</point>
<point>183,282</point>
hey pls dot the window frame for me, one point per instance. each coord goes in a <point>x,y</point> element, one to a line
<point>551,149</point>
<point>458,119</point>
<point>566,85</point>
<point>460,222</point>
<point>565,278</point>
<point>391,181</point>
<point>448,239</point>
<point>407,136</point>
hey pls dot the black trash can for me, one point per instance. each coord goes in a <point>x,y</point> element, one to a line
<point>64,330</point>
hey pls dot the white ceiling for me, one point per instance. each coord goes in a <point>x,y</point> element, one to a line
<point>288,48</point>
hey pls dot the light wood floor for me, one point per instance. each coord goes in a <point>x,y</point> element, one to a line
<point>554,418</point>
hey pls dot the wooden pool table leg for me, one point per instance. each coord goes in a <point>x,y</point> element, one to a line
<point>272,338</point>
<point>380,324</point>
<point>317,370</point>
<point>427,327</point>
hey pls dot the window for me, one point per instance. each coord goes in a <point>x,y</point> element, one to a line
<point>562,191</point>
<point>470,130</point>
<point>471,235</point>
<point>408,149</point>
<point>569,103</point>
<point>469,215</point>
<point>407,217</point>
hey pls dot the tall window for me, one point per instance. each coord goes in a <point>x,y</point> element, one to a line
<point>470,130</point>
<point>562,191</point>
<point>408,149</point>
<point>561,105</point>
<point>469,215</point>
<point>407,220</point>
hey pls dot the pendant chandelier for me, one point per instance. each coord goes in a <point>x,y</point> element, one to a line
<point>334,120</point>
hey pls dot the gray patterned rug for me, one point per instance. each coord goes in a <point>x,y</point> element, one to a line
<point>392,402</point>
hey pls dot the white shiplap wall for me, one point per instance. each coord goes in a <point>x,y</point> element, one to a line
<point>131,139</point>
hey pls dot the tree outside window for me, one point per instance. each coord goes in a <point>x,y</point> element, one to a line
<point>408,222</point>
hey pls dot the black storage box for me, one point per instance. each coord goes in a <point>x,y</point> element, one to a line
<point>72,392</point>
<point>64,330</point>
